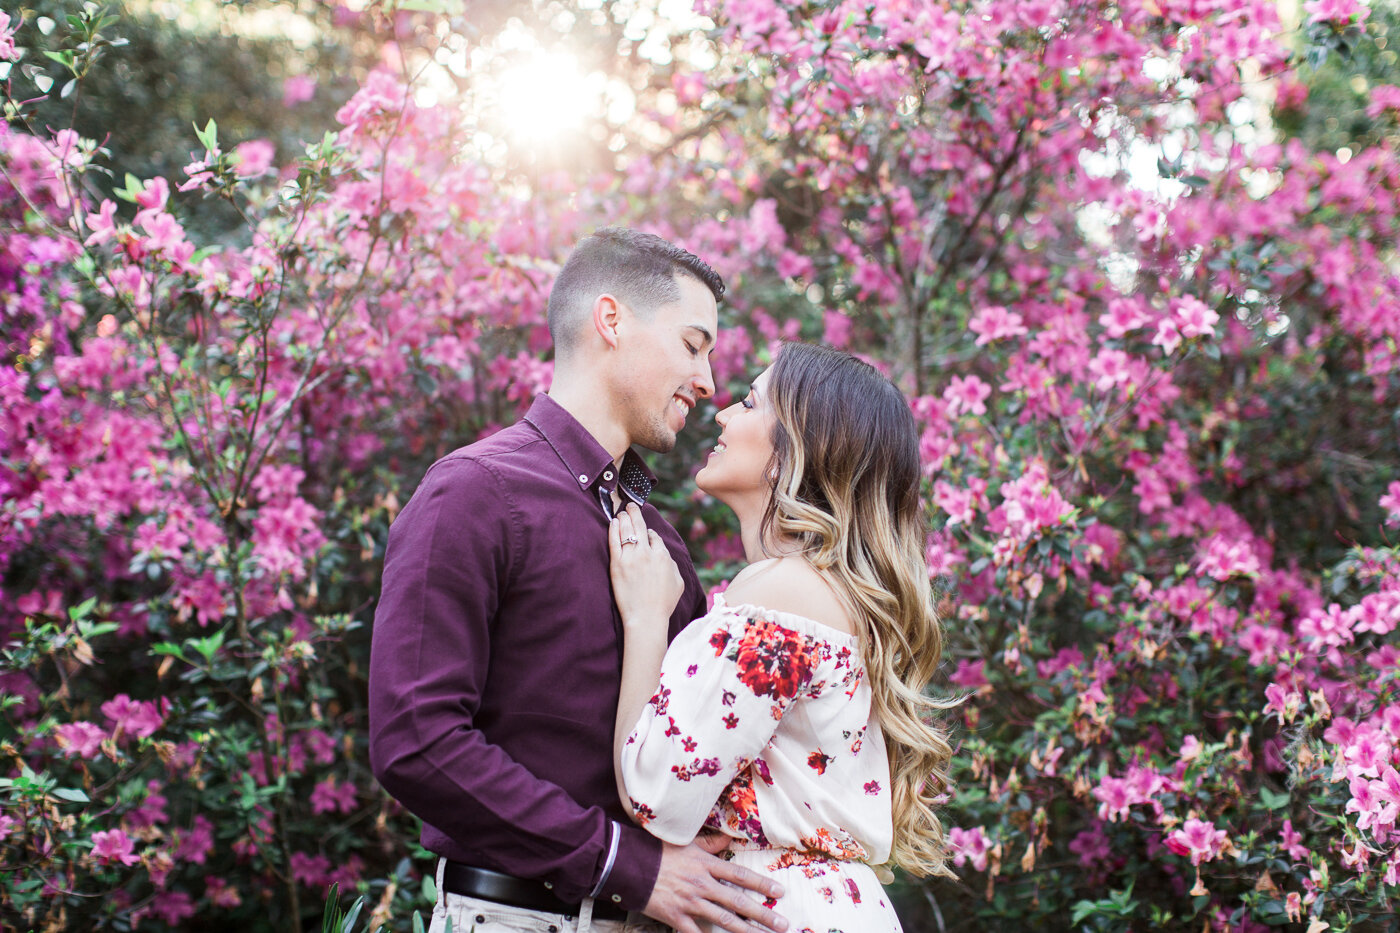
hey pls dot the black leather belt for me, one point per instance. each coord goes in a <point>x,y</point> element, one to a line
<point>516,892</point>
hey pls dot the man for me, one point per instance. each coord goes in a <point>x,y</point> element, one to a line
<point>496,658</point>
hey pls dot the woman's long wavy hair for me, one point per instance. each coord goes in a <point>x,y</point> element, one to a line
<point>846,461</point>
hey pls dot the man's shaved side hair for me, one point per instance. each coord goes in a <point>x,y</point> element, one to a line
<point>638,269</point>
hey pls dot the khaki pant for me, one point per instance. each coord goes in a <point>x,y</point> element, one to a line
<point>473,915</point>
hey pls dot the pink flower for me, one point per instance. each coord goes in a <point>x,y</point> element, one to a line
<point>1293,843</point>
<point>154,194</point>
<point>138,718</point>
<point>254,158</point>
<point>1124,315</point>
<point>836,328</point>
<point>1283,702</point>
<point>220,892</point>
<point>1198,839</point>
<point>103,224</point>
<point>1335,11</point>
<point>198,842</point>
<point>969,674</point>
<point>1092,846</point>
<point>80,739</point>
<point>330,797</point>
<point>967,395</point>
<point>969,845</point>
<point>996,323</point>
<point>113,845</point>
<point>8,51</point>
<point>689,87</point>
<point>1391,503</point>
<point>297,89</point>
<point>310,870</point>
<point>1224,558</point>
<point>1387,793</point>
<point>1383,97</point>
<point>1114,799</point>
<point>171,907</point>
<point>957,503</point>
<point>1167,337</point>
<point>1109,368</point>
<point>1193,318</point>
<point>1363,802</point>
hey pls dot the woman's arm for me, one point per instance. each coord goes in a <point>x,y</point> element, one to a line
<point>646,585</point>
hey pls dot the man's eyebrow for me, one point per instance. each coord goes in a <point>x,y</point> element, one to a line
<point>704,332</point>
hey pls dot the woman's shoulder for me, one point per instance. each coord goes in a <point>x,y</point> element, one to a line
<point>790,585</point>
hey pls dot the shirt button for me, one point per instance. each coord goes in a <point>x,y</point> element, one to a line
<point>549,885</point>
<point>607,475</point>
<point>583,478</point>
<point>617,898</point>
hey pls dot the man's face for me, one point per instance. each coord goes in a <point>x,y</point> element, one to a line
<point>665,367</point>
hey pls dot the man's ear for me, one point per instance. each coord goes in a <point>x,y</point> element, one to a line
<point>607,317</point>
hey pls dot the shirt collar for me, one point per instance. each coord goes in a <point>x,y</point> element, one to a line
<point>584,457</point>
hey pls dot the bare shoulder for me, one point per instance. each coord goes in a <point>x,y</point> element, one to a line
<point>790,584</point>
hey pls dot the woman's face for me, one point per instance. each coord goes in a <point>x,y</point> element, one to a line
<point>736,472</point>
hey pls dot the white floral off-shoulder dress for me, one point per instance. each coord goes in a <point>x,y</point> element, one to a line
<point>761,728</point>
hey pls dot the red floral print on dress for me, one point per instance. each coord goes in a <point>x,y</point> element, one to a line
<point>771,660</point>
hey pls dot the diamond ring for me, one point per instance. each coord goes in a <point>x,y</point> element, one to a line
<point>630,539</point>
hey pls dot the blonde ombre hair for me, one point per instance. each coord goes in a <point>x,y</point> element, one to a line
<point>846,462</point>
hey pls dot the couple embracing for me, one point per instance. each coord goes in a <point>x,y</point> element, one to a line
<point>588,747</point>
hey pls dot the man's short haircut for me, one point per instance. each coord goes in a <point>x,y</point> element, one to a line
<point>639,269</point>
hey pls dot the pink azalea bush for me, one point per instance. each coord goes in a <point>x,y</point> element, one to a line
<point>1154,421</point>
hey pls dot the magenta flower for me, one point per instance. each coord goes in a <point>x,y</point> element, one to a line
<point>7,39</point>
<point>80,739</point>
<point>154,194</point>
<point>138,718</point>
<point>1114,797</point>
<point>1335,11</point>
<point>298,89</point>
<point>1293,843</point>
<point>254,157</point>
<point>967,395</point>
<point>1194,318</point>
<point>1391,503</point>
<point>331,797</point>
<point>113,845</point>
<point>1198,839</point>
<point>996,323</point>
<point>969,846</point>
<point>1282,702</point>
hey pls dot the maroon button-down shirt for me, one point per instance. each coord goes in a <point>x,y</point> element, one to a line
<point>496,659</point>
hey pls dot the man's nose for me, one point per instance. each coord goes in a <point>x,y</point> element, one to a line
<point>704,384</point>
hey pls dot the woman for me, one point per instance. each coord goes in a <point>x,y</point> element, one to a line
<point>790,718</point>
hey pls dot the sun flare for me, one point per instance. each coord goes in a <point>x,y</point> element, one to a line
<point>545,96</point>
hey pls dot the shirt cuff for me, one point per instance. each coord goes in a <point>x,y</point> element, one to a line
<point>634,869</point>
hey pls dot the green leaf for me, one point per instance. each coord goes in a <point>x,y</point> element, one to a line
<point>133,187</point>
<point>72,794</point>
<point>348,924</point>
<point>429,889</point>
<point>1194,181</point>
<point>209,136</point>
<point>1272,800</point>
